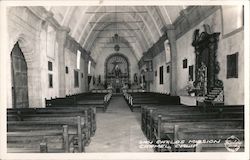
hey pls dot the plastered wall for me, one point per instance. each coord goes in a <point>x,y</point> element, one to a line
<point>23,27</point>
<point>71,63</point>
<point>155,86</point>
<point>39,43</point>
<point>233,87</point>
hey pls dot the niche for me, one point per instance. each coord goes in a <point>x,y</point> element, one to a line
<point>206,64</point>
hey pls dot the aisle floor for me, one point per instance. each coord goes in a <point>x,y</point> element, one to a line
<point>118,130</point>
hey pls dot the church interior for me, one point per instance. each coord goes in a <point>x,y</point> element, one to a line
<point>88,79</point>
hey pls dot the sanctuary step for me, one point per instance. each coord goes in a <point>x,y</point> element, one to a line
<point>215,96</point>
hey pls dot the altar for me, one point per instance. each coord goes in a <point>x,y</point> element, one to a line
<point>191,100</point>
<point>117,73</point>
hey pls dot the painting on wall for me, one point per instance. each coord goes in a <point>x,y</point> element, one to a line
<point>50,66</point>
<point>191,73</point>
<point>67,69</point>
<point>168,69</point>
<point>161,74</point>
<point>184,63</point>
<point>50,81</point>
<point>232,65</point>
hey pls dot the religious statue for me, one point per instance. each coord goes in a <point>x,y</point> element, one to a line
<point>116,71</point>
<point>202,79</point>
<point>135,78</point>
<point>93,80</point>
<point>99,79</point>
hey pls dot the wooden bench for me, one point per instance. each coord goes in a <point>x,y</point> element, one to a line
<point>97,100</point>
<point>62,102</point>
<point>158,123</point>
<point>90,113</point>
<point>137,100</point>
<point>46,135</point>
<point>217,131</point>
<point>35,119</point>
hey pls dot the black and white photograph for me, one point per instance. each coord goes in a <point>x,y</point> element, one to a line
<point>107,79</point>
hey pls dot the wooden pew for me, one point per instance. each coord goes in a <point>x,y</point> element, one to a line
<point>137,100</point>
<point>216,131</point>
<point>62,131</point>
<point>58,115</point>
<point>89,112</point>
<point>86,128</point>
<point>62,102</point>
<point>187,109</point>
<point>97,100</point>
<point>153,120</point>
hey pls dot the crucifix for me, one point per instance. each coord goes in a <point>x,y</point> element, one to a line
<point>116,70</point>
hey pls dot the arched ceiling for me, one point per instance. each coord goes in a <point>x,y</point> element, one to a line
<point>94,27</point>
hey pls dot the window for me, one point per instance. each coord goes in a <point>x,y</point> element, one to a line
<point>50,66</point>
<point>76,76</point>
<point>191,73</point>
<point>161,74</point>
<point>50,81</point>
<point>184,63</point>
<point>51,42</point>
<point>67,69</point>
<point>78,60</point>
<point>232,65</point>
<point>82,75</point>
<point>155,73</point>
<point>89,66</point>
<point>168,69</point>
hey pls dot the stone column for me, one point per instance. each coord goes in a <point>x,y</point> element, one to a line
<point>173,52</point>
<point>61,36</point>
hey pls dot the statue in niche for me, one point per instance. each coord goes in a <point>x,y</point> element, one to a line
<point>99,79</point>
<point>93,80</point>
<point>202,81</point>
<point>135,78</point>
<point>206,64</point>
<point>116,70</point>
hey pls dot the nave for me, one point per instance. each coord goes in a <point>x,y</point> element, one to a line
<point>90,79</point>
<point>118,130</point>
<point>82,125</point>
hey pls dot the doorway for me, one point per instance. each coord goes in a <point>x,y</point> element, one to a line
<point>19,71</point>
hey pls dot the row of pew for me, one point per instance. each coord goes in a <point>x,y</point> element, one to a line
<point>172,127</point>
<point>65,125</point>
<point>178,123</point>
<point>52,130</point>
<point>101,90</point>
<point>137,100</point>
<point>98,100</point>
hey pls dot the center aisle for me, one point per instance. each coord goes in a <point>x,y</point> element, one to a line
<point>118,129</point>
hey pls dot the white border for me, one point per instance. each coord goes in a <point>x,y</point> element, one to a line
<point>160,156</point>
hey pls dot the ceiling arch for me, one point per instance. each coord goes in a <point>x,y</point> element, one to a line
<point>88,23</point>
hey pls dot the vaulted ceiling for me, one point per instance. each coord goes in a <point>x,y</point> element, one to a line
<point>94,27</point>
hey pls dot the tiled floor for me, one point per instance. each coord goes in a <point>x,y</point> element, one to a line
<point>118,129</point>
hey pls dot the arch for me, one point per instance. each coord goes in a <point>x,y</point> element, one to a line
<point>115,74</point>
<point>121,55</point>
<point>19,70</point>
<point>27,48</point>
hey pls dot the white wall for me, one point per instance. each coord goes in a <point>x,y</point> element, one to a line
<point>71,63</point>
<point>40,46</point>
<point>233,87</point>
<point>155,86</point>
<point>23,27</point>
